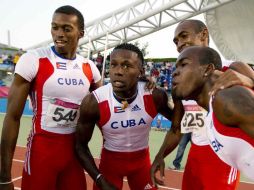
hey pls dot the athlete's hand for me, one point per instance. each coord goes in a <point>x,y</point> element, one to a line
<point>150,84</point>
<point>7,186</point>
<point>230,78</point>
<point>158,165</point>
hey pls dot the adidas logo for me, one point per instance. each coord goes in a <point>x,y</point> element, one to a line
<point>148,186</point>
<point>136,108</point>
<point>76,66</point>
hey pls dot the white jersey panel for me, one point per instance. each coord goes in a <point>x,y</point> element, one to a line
<point>128,129</point>
<point>57,94</point>
<point>234,151</point>
<point>27,66</point>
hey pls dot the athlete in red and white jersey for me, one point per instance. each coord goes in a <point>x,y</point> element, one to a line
<point>123,110</point>
<point>58,87</point>
<point>125,137</point>
<point>134,120</point>
<point>201,157</point>
<point>56,79</point>
<point>56,110</point>
<point>200,63</point>
<point>231,144</point>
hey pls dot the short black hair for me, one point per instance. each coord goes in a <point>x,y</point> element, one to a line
<point>131,47</point>
<point>208,55</point>
<point>69,10</point>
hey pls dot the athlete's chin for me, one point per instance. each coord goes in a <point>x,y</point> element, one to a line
<point>117,89</point>
<point>118,86</point>
<point>177,95</point>
<point>60,48</point>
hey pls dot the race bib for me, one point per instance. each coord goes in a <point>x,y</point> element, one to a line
<point>62,114</point>
<point>193,119</point>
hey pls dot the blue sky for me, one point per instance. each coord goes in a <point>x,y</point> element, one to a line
<point>29,22</point>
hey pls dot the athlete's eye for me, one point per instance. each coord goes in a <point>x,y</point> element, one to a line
<point>112,65</point>
<point>54,27</point>
<point>125,66</point>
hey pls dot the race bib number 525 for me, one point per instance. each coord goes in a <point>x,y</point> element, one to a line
<point>192,121</point>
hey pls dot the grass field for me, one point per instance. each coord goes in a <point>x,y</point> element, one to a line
<point>155,141</point>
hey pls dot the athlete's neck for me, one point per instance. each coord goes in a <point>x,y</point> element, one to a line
<point>126,100</point>
<point>204,97</point>
<point>63,54</point>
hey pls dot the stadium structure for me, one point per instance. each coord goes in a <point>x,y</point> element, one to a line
<point>228,22</point>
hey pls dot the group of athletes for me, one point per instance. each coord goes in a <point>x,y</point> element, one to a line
<point>68,100</point>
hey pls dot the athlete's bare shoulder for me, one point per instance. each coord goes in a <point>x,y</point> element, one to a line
<point>233,104</point>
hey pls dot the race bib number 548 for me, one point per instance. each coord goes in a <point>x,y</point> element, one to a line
<point>62,114</point>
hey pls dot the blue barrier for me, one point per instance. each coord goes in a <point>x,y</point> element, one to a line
<point>161,123</point>
<point>3,107</point>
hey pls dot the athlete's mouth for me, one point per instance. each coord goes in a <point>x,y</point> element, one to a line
<point>60,43</point>
<point>118,83</point>
<point>174,84</point>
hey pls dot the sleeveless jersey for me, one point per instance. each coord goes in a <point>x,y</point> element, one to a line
<point>125,130</point>
<point>231,144</point>
<point>58,86</point>
<point>194,119</point>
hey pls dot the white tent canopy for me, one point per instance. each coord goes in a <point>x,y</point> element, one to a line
<point>232,29</point>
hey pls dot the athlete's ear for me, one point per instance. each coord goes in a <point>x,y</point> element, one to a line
<point>142,72</point>
<point>81,34</point>
<point>209,69</point>
<point>205,35</point>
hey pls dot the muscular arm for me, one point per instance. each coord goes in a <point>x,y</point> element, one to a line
<point>238,108</point>
<point>96,85</point>
<point>160,98</point>
<point>170,142</point>
<point>173,136</point>
<point>16,101</point>
<point>237,74</point>
<point>245,70</point>
<point>89,115</point>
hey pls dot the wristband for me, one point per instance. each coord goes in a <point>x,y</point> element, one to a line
<point>98,177</point>
<point>5,183</point>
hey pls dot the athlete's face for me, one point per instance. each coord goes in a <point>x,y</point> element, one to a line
<point>188,78</point>
<point>185,36</point>
<point>124,72</point>
<point>66,34</point>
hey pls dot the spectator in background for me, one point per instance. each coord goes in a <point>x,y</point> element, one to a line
<point>16,58</point>
<point>4,57</point>
<point>99,61</point>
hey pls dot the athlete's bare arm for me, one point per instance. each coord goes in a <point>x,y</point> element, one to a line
<point>16,101</point>
<point>238,74</point>
<point>96,85</point>
<point>160,98</point>
<point>170,142</point>
<point>235,107</point>
<point>89,115</point>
